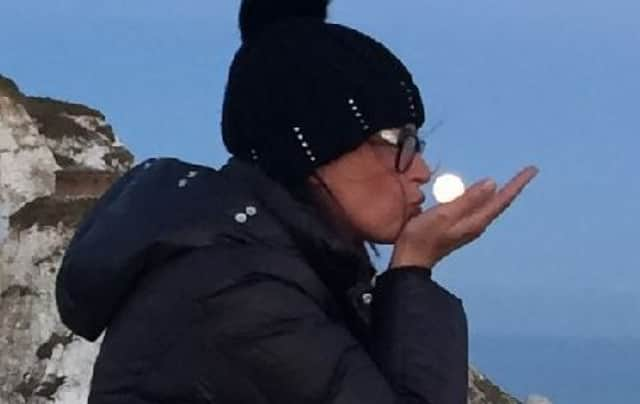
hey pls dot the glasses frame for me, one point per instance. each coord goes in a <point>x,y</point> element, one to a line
<point>407,140</point>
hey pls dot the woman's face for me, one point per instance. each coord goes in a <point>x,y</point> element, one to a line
<point>371,200</point>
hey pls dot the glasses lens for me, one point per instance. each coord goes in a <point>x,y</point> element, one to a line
<point>406,153</point>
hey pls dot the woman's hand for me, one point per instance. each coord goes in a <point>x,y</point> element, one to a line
<point>438,231</point>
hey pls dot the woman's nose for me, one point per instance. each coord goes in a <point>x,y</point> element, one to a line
<point>419,170</point>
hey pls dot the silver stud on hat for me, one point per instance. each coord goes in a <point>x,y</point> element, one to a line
<point>358,114</point>
<point>304,143</point>
<point>412,107</point>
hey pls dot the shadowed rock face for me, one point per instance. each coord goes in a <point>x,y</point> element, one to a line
<point>9,89</point>
<point>483,391</point>
<point>56,159</point>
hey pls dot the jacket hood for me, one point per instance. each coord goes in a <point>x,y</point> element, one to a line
<point>165,207</point>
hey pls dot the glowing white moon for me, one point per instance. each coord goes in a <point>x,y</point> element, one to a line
<point>447,187</point>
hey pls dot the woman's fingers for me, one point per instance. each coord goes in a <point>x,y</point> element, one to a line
<point>444,228</point>
<point>476,223</point>
<point>509,192</point>
<point>474,198</point>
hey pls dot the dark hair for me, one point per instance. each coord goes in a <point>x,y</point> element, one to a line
<point>306,194</point>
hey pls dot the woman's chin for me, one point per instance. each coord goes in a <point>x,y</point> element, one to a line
<point>387,236</point>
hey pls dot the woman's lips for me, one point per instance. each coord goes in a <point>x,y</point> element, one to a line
<point>416,210</point>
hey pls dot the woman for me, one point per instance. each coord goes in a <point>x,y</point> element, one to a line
<point>252,283</point>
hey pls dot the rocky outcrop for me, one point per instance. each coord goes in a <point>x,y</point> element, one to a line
<point>483,391</point>
<point>56,159</point>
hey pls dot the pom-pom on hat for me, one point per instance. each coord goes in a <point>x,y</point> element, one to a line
<point>302,92</point>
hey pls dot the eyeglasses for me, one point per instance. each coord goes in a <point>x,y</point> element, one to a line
<point>405,140</point>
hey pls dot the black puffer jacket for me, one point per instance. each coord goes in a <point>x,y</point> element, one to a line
<point>215,286</point>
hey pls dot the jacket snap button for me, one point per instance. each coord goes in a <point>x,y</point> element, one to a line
<point>241,218</point>
<point>367,298</point>
<point>251,210</point>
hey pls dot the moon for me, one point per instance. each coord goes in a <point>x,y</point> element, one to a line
<point>447,187</point>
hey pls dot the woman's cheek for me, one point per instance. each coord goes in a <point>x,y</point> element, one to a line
<point>390,221</point>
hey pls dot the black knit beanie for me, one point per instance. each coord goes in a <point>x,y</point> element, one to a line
<point>302,92</point>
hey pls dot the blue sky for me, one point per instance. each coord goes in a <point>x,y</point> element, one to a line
<point>549,83</point>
